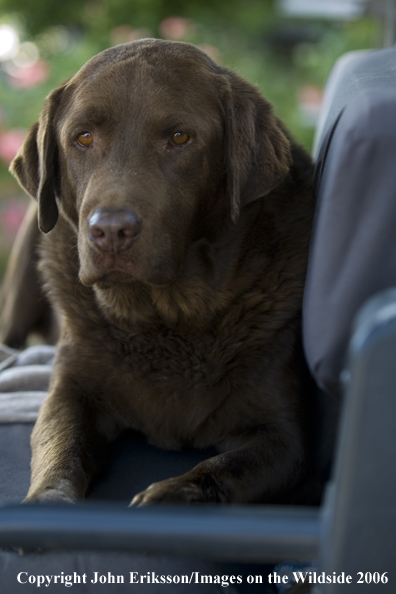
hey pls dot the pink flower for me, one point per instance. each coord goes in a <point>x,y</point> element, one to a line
<point>176,28</point>
<point>24,77</point>
<point>10,143</point>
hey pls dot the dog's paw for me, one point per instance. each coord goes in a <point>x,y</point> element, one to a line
<point>174,490</point>
<point>49,496</point>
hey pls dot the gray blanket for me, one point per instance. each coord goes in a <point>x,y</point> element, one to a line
<point>24,380</point>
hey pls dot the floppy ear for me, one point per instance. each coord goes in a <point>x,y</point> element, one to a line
<point>257,151</point>
<point>36,165</point>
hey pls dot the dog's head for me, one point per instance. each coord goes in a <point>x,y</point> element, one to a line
<point>145,150</point>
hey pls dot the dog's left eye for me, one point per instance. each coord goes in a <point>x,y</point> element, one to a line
<point>85,139</point>
<point>180,138</point>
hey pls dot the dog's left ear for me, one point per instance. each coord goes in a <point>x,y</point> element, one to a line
<point>257,150</point>
<point>36,165</point>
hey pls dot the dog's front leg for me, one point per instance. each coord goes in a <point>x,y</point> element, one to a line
<point>265,468</point>
<point>67,445</point>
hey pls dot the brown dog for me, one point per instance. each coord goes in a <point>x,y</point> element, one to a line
<point>178,216</point>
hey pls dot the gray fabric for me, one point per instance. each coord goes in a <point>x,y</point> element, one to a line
<point>14,461</point>
<point>20,407</point>
<point>26,377</point>
<point>352,74</point>
<point>353,252</point>
<point>342,76</point>
<point>24,380</point>
<point>40,354</point>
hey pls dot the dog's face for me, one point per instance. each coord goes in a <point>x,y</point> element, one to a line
<point>142,152</point>
<point>146,150</point>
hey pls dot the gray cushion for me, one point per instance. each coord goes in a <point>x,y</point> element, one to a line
<point>353,252</point>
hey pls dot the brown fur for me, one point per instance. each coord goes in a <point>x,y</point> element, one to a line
<point>192,334</point>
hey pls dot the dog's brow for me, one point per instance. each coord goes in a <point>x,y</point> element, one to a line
<point>91,115</point>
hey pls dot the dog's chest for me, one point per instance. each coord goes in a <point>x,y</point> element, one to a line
<point>176,391</point>
<point>166,357</point>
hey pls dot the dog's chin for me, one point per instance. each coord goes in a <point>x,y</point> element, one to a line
<point>115,277</point>
<point>112,279</point>
<point>104,279</point>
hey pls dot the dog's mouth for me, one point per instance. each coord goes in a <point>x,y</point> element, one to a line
<point>108,271</point>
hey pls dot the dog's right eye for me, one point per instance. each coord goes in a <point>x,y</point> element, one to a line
<point>180,138</point>
<point>84,139</point>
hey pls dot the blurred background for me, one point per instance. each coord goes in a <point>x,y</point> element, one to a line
<point>285,47</point>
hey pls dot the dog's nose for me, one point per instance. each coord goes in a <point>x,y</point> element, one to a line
<point>113,230</point>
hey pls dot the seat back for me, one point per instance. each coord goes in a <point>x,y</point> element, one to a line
<point>353,250</point>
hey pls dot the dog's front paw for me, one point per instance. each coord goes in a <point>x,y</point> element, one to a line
<point>60,492</point>
<point>174,490</point>
<point>49,496</point>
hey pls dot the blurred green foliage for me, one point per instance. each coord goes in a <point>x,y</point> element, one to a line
<point>99,16</point>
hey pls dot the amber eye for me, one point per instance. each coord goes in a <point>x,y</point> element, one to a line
<point>85,139</point>
<point>180,138</point>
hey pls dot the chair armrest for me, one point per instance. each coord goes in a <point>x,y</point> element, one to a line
<point>359,523</point>
<point>232,533</point>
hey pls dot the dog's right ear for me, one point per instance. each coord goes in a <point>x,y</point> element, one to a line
<point>36,165</point>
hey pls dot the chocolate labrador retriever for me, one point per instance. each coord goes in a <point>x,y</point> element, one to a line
<point>177,215</point>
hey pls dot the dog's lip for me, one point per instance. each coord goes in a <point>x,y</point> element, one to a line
<point>119,276</point>
<point>116,277</point>
<point>112,275</point>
